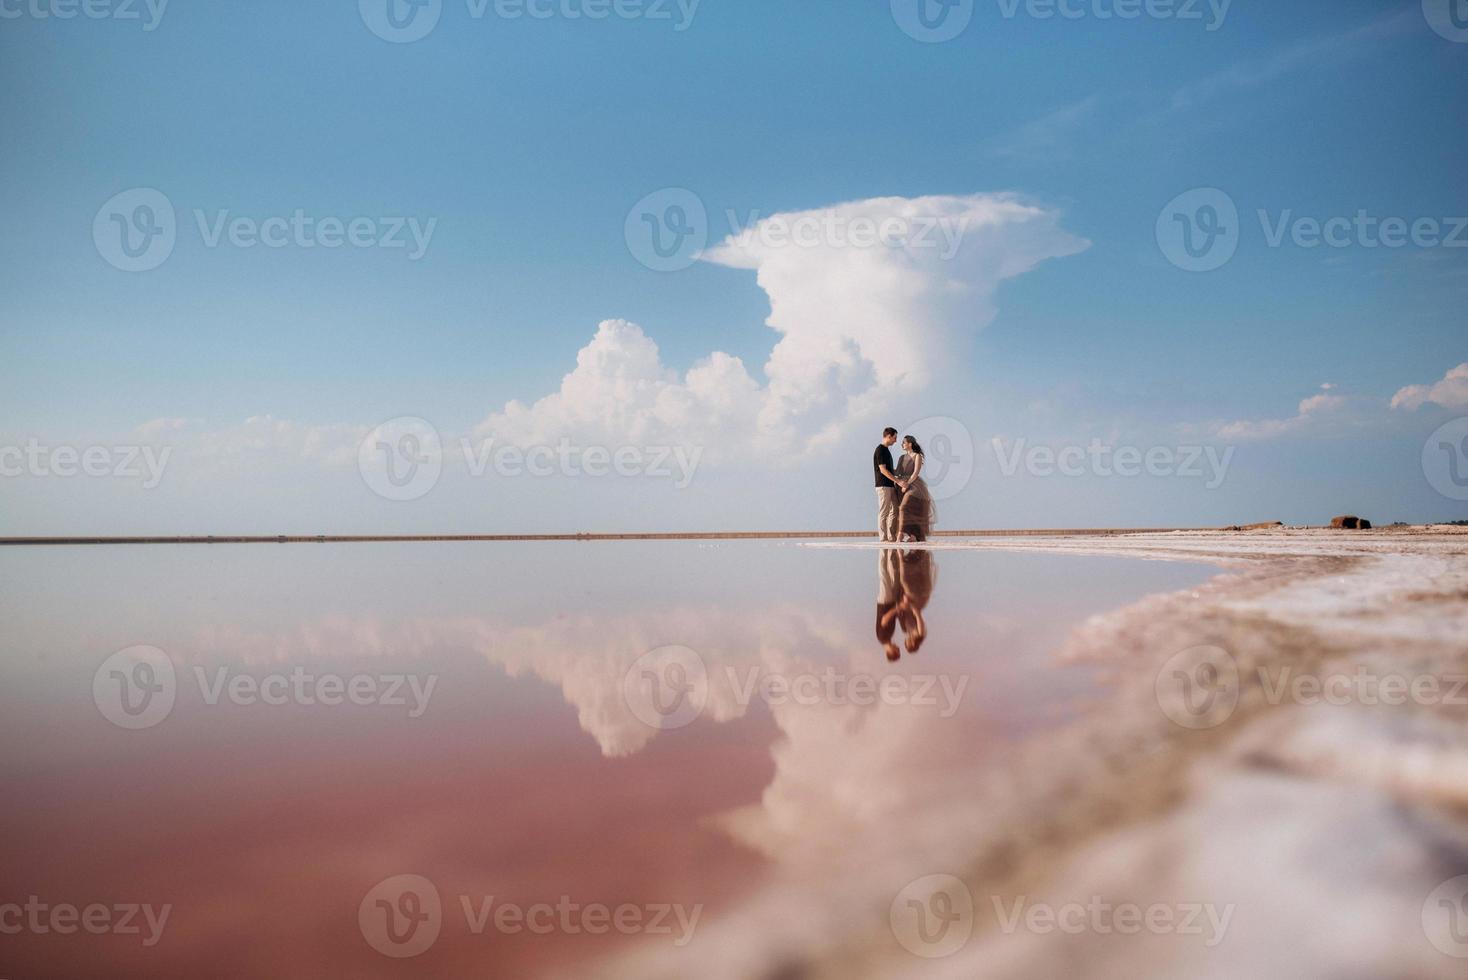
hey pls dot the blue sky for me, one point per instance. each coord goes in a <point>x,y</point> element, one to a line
<point>527,140</point>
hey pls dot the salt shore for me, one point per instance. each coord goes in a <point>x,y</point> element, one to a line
<point>1287,743</point>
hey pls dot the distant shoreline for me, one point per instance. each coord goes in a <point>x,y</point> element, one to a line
<point>571,536</point>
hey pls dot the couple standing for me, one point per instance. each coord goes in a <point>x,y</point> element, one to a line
<point>905,509</point>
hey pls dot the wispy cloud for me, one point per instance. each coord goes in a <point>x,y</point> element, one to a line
<point>1311,413</point>
<point>1323,50</point>
<point>1054,136</point>
<point>1050,137</point>
<point>1330,413</point>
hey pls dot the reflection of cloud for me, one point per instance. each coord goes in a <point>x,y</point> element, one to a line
<point>844,771</point>
<point>878,777</point>
<point>840,768</point>
<point>585,656</point>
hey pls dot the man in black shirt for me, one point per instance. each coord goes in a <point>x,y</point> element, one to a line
<point>886,486</point>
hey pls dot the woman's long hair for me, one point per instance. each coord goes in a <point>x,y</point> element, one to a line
<point>916,446</point>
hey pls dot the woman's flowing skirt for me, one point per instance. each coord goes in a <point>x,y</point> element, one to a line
<point>917,509</point>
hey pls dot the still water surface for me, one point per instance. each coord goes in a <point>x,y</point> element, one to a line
<point>572,748</point>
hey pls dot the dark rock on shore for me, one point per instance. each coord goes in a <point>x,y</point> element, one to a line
<point>1351,522</point>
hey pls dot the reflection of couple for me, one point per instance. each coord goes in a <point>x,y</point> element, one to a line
<point>905,510</point>
<point>904,586</point>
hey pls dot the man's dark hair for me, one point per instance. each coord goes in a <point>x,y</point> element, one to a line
<point>889,431</point>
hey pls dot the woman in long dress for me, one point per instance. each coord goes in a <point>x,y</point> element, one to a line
<point>916,514</point>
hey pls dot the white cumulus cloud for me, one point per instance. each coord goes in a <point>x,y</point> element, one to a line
<point>1450,392</point>
<point>869,299</point>
<point>1311,411</point>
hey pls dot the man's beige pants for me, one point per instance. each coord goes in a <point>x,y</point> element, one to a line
<point>887,513</point>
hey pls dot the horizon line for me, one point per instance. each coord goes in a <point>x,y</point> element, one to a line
<point>39,540</point>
